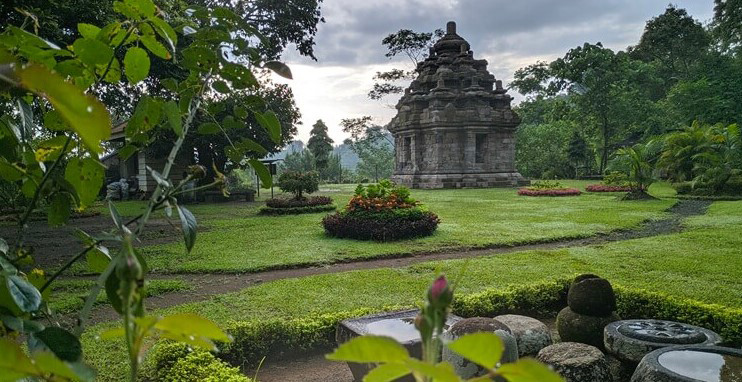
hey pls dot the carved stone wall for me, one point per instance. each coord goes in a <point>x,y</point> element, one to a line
<point>454,127</point>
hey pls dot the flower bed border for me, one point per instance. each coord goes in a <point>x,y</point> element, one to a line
<point>549,192</point>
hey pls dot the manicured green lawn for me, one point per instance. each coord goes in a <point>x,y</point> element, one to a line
<point>237,240</point>
<point>703,263</point>
<point>68,296</point>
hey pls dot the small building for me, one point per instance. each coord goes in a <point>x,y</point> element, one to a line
<point>134,168</point>
<point>454,127</point>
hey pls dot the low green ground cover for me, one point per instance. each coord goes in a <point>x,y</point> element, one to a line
<point>703,263</point>
<point>236,239</point>
<point>68,296</point>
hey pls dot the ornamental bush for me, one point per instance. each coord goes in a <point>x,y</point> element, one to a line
<point>299,183</point>
<point>606,188</point>
<point>292,203</point>
<point>382,212</point>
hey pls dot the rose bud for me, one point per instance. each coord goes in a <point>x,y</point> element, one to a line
<point>439,293</point>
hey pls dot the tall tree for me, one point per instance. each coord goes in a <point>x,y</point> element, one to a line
<point>405,42</point>
<point>727,25</point>
<point>320,144</point>
<point>373,145</point>
<point>675,40</point>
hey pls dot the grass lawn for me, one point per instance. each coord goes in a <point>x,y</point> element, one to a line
<point>703,263</point>
<point>236,239</point>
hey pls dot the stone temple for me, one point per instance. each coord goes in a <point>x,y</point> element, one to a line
<point>454,127</point>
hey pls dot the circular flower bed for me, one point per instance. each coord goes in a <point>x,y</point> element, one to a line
<point>291,206</point>
<point>528,191</point>
<point>606,188</point>
<point>382,212</point>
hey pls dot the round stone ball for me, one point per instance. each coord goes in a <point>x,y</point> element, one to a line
<point>465,368</point>
<point>576,327</point>
<point>531,334</point>
<point>631,340</point>
<point>690,363</point>
<point>576,362</point>
<point>591,295</point>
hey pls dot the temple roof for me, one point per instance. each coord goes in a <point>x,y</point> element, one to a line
<point>453,88</point>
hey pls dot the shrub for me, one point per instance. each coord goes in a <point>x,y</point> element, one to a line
<point>382,212</point>
<point>299,183</point>
<point>382,226</point>
<point>616,178</point>
<point>607,188</point>
<point>176,362</point>
<point>528,191</point>
<point>292,203</point>
<point>546,185</point>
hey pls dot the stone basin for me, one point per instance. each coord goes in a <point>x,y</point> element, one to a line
<point>398,325</point>
<point>691,364</point>
<point>631,340</point>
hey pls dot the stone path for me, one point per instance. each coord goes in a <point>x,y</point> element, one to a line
<point>207,285</point>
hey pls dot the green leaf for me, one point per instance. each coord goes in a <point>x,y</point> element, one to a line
<point>263,173</point>
<point>10,171</point>
<point>154,46</point>
<point>221,87</point>
<point>230,123</point>
<point>86,176</point>
<point>14,364</point>
<point>269,121</point>
<point>199,58</point>
<point>250,145</point>
<point>280,68</point>
<point>370,349</point>
<point>4,246</point>
<point>442,372</point>
<point>98,259</point>
<point>62,343</point>
<point>47,363</point>
<point>25,295</point>
<point>114,333</point>
<point>172,112</point>
<point>116,216</point>
<point>88,30</point>
<point>59,209</point>
<point>83,113</point>
<point>165,31</point>
<point>145,7</point>
<point>189,225</point>
<point>241,112</point>
<point>114,73</point>
<point>191,329</point>
<point>386,373</point>
<point>484,348</point>
<point>528,370</point>
<point>208,128</point>
<point>112,292</point>
<point>136,64</point>
<point>50,149</point>
<point>92,52</point>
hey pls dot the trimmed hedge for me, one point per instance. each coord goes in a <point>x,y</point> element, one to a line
<point>265,210</point>
<point>549,192</point>
<point>176,362</point>
<point>385,225</point>
<point>254,340</point>
<point>303,202</point>
<point>606,188</point>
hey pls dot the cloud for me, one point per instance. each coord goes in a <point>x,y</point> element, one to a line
<point>509,34</point>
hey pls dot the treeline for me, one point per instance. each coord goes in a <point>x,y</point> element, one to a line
<point>583,107</point>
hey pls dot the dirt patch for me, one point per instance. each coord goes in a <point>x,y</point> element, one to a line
<point>207,285</point>
<point>52,247</point>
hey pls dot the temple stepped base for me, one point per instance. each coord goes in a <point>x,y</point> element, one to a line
<point>486,180</point>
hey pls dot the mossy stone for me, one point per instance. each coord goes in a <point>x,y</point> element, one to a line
<point>591,295</point>
<point>576,327</point>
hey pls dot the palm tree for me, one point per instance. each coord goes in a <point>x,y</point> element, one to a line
<point>638,162</point>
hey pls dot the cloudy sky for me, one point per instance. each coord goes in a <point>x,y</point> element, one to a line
<point>509,34</point>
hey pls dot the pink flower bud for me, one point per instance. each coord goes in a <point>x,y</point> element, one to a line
<point>439,286</point>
